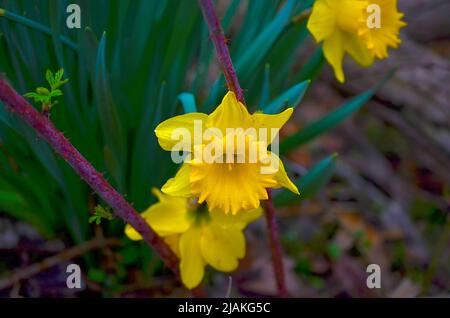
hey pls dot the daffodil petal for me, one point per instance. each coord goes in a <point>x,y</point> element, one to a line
<point>229,114</point>
<point>174,243</point>
<point>239,220</point>
<point>192,265</point>
<point>221,247</point>
<point>269,122</point>
<point>168,218</point>
<point>322,21</point>
<point>333,49</point>
<point>179,185</point>
<point>132,234</point>
<point>179,130</point>
<point>357,49</point>
<point>281,176</point>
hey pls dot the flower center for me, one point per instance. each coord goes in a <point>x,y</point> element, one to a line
<point>199,212</point>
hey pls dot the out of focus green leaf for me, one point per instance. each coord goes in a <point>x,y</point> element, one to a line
<point>188,102</point>
<point>326,123</point>
<point>331,120</point>
<point>290,98</point>
<point>312,67</point>
<point>257,50</point>
<point>109,118</point>
<point>309,184</point>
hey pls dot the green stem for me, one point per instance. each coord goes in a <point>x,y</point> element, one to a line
<point>37,26</point>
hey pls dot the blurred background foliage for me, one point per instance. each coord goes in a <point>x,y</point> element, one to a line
<point>136,63</point>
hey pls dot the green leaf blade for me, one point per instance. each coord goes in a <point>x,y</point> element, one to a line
<point>326,123</point>
<point>310,184</point>
<point>291,98</point>
<point>187,100</point>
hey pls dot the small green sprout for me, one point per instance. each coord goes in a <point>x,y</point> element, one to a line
<point>44,95</point>
<point>101,213</point>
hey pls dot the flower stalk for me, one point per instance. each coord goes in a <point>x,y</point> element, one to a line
<point>223,55</point>
<point>275,247</point>
<point>16,104</point>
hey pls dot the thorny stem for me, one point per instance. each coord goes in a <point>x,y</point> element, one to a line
<point>220,43</point>
<point>45,128</point>
<point>223,55</point>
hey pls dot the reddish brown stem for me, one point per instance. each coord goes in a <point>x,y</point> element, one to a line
<point>275,247</point>
<point>223,55</point>
<point>45,128</point>
<point>220,43</point>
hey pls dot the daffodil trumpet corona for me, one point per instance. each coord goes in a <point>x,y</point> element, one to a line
<point>226,162</point>
<point>364,29</point>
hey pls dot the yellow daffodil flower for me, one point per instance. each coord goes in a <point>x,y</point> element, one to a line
<point>229,185</point>
<point>197,236</point>
<point>349,26</point>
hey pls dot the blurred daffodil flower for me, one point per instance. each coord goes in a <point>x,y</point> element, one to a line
<point>363,29</point>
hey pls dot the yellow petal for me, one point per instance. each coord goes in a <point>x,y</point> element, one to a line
<point>281,176</point>
<point>221,247</point>
<point>229,114</point>
<point>132,234</point>
<point>378,40</point>
<point>349,13</point>
<point>357,49</point>
<point>333,49</point>
<point>269,122</point>
<point>322,22</point>
<point>179,185</point>
<point>166,217</point>
<point>174,243</point>
<point>192,265</point>
<point>179,130</point>
<point>239,220</point>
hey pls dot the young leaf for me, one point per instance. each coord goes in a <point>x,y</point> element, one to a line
<point>44,95</point>
<point>49,77</point>
<point>56,92</point>
<point>59,74</point>
<point>42,91</point>
<point>32,95</point>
